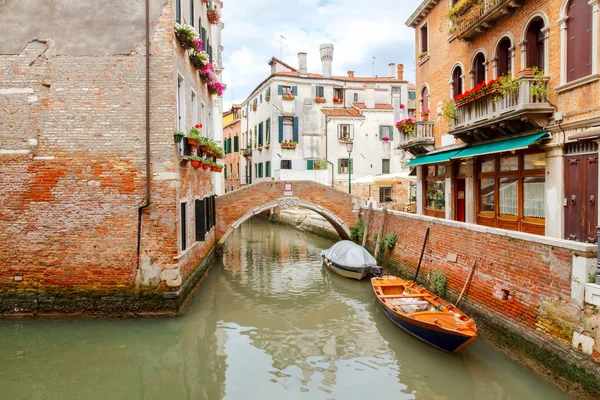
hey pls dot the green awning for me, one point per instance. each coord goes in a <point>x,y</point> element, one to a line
<point>433,158</point>
<point>518,143</point>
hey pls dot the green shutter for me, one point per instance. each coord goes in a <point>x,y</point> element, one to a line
<point>310,165</point>
<point>341,93</point>
<point>225,171</point>
<point>339,165</point>
<point>261,97</point>
<point>380,132</point>
<point>268,169</point>
<point>229,145</point>
<point>296,129</point>
<point>280,129</point>
<point>391,132</point>
<point>236,144</point>
<point>280,89</point>
<point>268,129</point>
<point>351,166</point>
<point>295,90</point>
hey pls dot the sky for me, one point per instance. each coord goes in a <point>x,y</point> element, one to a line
<point>358,29</point>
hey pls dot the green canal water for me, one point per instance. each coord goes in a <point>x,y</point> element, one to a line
<point>269,323</point>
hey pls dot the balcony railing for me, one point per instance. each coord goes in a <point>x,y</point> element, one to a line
<point>495,114</point>
<point>479,15</point>
<point>421,142</point>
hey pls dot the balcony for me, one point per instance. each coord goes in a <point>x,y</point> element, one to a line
<point>421,142</point>
<point>473,17</point>
<point>495,115</point>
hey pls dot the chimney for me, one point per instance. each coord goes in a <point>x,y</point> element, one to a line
<point>326,59</point>
<point>400,72</point>
<point>350,74</point>
<point>392,70</point>
<point>302,65</point>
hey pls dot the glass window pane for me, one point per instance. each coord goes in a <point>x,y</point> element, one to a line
<point>535,161</point>
<point>488,166</point>
<point>534,197</point>
<point>431,170</point>
<point>487,195</point>
<point>436,195</point>
<point>462,168</point>
<point>508,191</point>
<point>441,170</point>
<point>509,163</point>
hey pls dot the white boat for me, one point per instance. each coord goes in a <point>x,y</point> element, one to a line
<point>349,260</point>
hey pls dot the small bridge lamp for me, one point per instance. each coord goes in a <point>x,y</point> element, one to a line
<point>349,146</point>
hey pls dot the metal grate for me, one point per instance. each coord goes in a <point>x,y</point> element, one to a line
<point>581,147</point>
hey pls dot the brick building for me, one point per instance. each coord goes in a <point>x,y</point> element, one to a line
<point>96,196</point>
<point>514,93</point>
<point>232,132</point>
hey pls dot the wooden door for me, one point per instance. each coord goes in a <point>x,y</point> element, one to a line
<point>460,200</point>
<point>580,202</point>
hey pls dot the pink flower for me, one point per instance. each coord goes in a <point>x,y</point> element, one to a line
<point>197,45</point>
<point>402,105</point>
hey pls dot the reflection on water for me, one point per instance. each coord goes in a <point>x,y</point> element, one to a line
<point>269,323</point>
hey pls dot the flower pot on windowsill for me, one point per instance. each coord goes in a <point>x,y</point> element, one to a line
<point>193,142</point>
<point>254,107</point>
<point>425,117</point>
<point>288,145</point>
<point>338,101</point>
<point>205,166</point>
<point>288,97</point>
<point>178,136</point>
<point>320,100</point>
<point>213,16</point>
<point>267,147</point>
<point>196,163</point>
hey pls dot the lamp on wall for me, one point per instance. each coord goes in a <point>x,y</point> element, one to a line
<point>349,146</point>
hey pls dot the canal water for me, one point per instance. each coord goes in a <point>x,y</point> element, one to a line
<point>269,323</point>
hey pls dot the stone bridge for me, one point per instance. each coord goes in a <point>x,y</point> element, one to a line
<point>337,207</point>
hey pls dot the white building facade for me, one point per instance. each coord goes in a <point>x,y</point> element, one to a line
<point>295,124</point>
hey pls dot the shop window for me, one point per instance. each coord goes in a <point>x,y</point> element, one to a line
<point>509,203</point>
<point>435,188</point>
<point>534,197</point>
<point>385,194</point>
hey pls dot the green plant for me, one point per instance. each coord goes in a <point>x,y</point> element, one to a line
<point>509,86</point>
<point>438,282</point>
<point>592,278</point>
<point>389,241</point>
<point>357,232</point>
<point>422,55</point>
<point>449,111</point>
<point>538,88</point>
<point>461,8</point>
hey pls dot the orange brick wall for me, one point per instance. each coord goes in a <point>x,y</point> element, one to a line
<point>232,160</point>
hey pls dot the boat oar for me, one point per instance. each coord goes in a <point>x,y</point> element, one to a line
<point>466,283</point>
<point>422,252</point>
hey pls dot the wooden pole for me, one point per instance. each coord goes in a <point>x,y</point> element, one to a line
<point>422,252</point>
<point>380,232</point>
<point>466,283</point>
<point>368,221</point>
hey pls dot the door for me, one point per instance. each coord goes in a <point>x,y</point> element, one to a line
<point>460,200</point>
<point>580,202</point>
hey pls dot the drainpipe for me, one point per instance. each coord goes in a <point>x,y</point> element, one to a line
<point>326,149</point>
<point>147,201</point>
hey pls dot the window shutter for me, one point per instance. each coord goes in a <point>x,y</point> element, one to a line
<point>236,144</point>
<point>351,166</point>
<point>391,132</point>
<point>207,214</point>
<point>268,130</point>
<point>339,165</point>
<point>380,132</point>
<point>280,89</point>
<point>214,210</point>
<point>296,129</point>
<point>203,37</point>
<point>178,11</point>
<point>295,90</point>
<point>310,165</point>
<point>280,129</point>
<point>200,221</point>
<point>341,94</point>
<point>183,226</point>
<point>260,134</point>
<point>225,172</point>
<point>352,132</point>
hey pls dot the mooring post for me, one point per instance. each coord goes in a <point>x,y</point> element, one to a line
<point>367,222</point>
<point>422,252</point>
<point>598,256</point>
<point>380,232</point>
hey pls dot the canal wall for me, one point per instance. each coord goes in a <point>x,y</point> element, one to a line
<point>306,221</point>
<point>527,291</point>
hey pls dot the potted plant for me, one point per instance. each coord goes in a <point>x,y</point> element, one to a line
<point>219,152</point>
<point>402,106</point>
<point>186,35</point>
<point>213,14</point>
<point>260,148</point>
<point>288,144</point>
<point>449,111</point>
<point>336,100</point>
<point>288,96</point>
<point>267,147</point>
<point>425,115</point>
<point>268,95</point>
<point>320,100</point>
<point>194,137</point>
<point>422,55</point>
<point>206,163</point>
<point>207,74</point>
<point>254,106</point>
<point>407,126</point>
<point>215,87</point>
<point>178,136</point>
<point>196,161</point>
<point>199,59</point>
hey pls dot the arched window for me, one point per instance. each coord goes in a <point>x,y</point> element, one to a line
<point>457,84</point>
<point>504,60</point>
<point>579,43</point>
<point>479,68</point>
<point>535,44</point>
<point>424,99</point>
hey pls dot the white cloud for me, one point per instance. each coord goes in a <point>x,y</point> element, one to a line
<point>359,30</point>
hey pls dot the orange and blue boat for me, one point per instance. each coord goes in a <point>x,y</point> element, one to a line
<point>423,314</point>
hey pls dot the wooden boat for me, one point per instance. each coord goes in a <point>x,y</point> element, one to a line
<point>423,314</point>
<point>349,260</point>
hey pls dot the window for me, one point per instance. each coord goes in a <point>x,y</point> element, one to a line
<point>435,189</point>
<point>178,11</point>
<point>504,60</point>
<point>424,48</point>
<point>579,42</point>
<point>260,134</point>
<point>200,220</point>
<point>268,169</point>
<point>338,93</point>
<point>192,18</point>
<point>288,129</point>
<point>343,164</point>
<point>256,170</point>
<point>286,164</point>
<point>194,106</point>
<point>236,144</point>
<point>457,83</point>
<point>180,104</point>
<point>345,132</point>
<point>255,141</point>
<point>478,69</point>
<point>260,170</point>
<point>320,92</point>
<point>225,172</point>
<point>535,43</point>
<point>425,99</point>
<point>412,95</point>
<point>288,90</point>
<point>261,97</point>
<point>183,225</point>
<point>386,133</point>
<point>396,90</point>
<point>385,194</point>
<point>385,166</point>
<point>356,97</point>
<point>268,131</point>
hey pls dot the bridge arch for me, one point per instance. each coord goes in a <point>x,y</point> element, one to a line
<point>234,208</point>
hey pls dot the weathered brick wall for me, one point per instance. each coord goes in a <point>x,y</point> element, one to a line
<point>232,206</point>
<point>577,104</point>
<point>400,193</point>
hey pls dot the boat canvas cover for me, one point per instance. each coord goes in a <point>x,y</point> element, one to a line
<point>349,255</point>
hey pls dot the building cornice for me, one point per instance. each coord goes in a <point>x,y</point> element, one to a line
<point>421,12</point>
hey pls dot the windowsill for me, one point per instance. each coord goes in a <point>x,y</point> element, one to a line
<point>423,60</point>
<point>451,37</point>
<point>189,249</point>
<point>576,83</point>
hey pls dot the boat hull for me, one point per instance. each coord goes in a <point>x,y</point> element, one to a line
<point>440,339</point>
<point>358,275</point>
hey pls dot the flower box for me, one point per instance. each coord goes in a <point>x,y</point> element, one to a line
<point>213,16</point>
<point>320,100</point>
<point>337,101</point>
<point>254,106</point>
<point>260,148</point>
<point>288,145</point>
<point>407,126</point>
<point>196,163</point>
<point>288,97</point>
